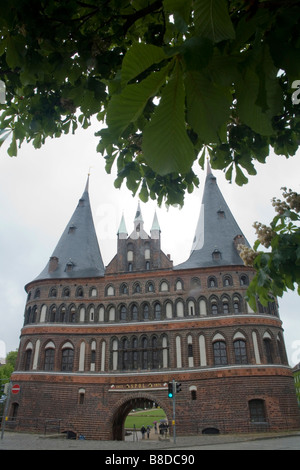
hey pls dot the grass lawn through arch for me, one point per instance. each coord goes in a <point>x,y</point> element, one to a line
<point>146,417</point>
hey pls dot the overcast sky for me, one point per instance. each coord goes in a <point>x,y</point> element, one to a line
<point>39,191</point>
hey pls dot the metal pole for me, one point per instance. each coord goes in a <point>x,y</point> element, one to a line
<point>174,411</point>
<point>4,418</point>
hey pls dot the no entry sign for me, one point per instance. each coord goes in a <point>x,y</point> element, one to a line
<point>15,389</point>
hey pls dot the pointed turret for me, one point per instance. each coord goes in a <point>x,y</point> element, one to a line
<point>217,233</point>
<point>122,231</point>
<point>155,229</point>
<point>77,253</point>
<point>138,220</point>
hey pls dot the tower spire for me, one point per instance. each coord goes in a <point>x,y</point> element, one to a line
<point>77,253</point>
<point>138,220</point>
<point>216,233</point>
<point>122,231</point>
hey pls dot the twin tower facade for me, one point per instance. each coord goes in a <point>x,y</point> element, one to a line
<point>100,341</point>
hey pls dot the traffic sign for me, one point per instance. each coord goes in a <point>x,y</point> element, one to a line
<point>15,389</point>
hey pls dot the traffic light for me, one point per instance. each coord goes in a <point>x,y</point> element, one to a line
<point>170,389</point>
<point>178,387</point>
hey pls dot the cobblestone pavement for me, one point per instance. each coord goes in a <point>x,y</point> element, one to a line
<point>267,441</point>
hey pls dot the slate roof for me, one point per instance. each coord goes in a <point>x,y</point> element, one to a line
<point>213,244</point>
<point>77,252</point>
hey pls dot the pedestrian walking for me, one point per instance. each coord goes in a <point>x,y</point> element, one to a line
<point>143,431</point>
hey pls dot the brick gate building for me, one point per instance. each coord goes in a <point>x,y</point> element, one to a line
<point>99,341</point>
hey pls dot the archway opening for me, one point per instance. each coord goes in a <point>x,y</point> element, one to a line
<point>136,413</point>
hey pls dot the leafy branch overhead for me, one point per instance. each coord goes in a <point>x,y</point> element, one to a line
<point>277,269</point>
<point>170,79</point>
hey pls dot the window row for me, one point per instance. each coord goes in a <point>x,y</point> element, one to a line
<point>136,288</point>
<point>147,352</point>
<point>145,311</point>
<point>164,285</point>
<point>66,293</point>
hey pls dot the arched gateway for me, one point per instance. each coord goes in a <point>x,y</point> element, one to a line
<point>98,341</point>
<point>122,410</point>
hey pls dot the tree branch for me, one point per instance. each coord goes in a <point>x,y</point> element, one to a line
<point>131,19</point>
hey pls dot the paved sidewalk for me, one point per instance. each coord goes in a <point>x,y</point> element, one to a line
<point>23,441</point>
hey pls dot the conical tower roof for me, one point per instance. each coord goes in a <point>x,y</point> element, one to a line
<point>217,233</point>
<point>77,253</point>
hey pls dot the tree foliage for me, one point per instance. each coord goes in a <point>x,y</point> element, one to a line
<point>7,369</point>
<point>171,79</point>
<point>278,269</point>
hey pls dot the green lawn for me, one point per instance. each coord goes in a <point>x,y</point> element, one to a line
<point>144,417</point>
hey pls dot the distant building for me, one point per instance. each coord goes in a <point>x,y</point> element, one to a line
<point>99,341</point>
<point>296,372</point>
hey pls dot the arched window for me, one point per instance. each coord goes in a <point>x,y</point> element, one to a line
<point>63,314</point>
<point>114,354</point>
<point>123,313</point>
<point>37,294</point>
<point>53,292</point>
<point>281,350</point>
<point>146,312</point>
<point>49,359</point>
<point>193,391</point>
<point>240,351</point>
<point>52,314</point>
<point>92,314</point>
<point>212,282</point>
<point>164,287</point>
<point>227,281</point>
<point>155,354</point>
<point>190,351</point>
<point>79,292</point>
<point>236,305</point>
<point>179,308</point>
<point>257,411</point>
<point>225,308</point>
<point>244,280</point>
<point>157,311</point>
<point>268,346</point>
<point>169,310</point>
<point>137,288</point>
<point>81,394</point>
<point>191,308</point>
<point>130,252</point>
<point>66,292</point>
<point>123,289</point>
<point>214,308</point>
<point>43,314</point>
<point>150,287</point>
<point>134,346</point>
<point>28,356</point>
<point>33,314</point>
<point>112,313</point>
<point>72,314</point>
<point>220,353</point>
<point>67,359</point>
<point>110,291</point>
<point>124,354</point>
<point>144,353</point>
<point>134,313</point>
